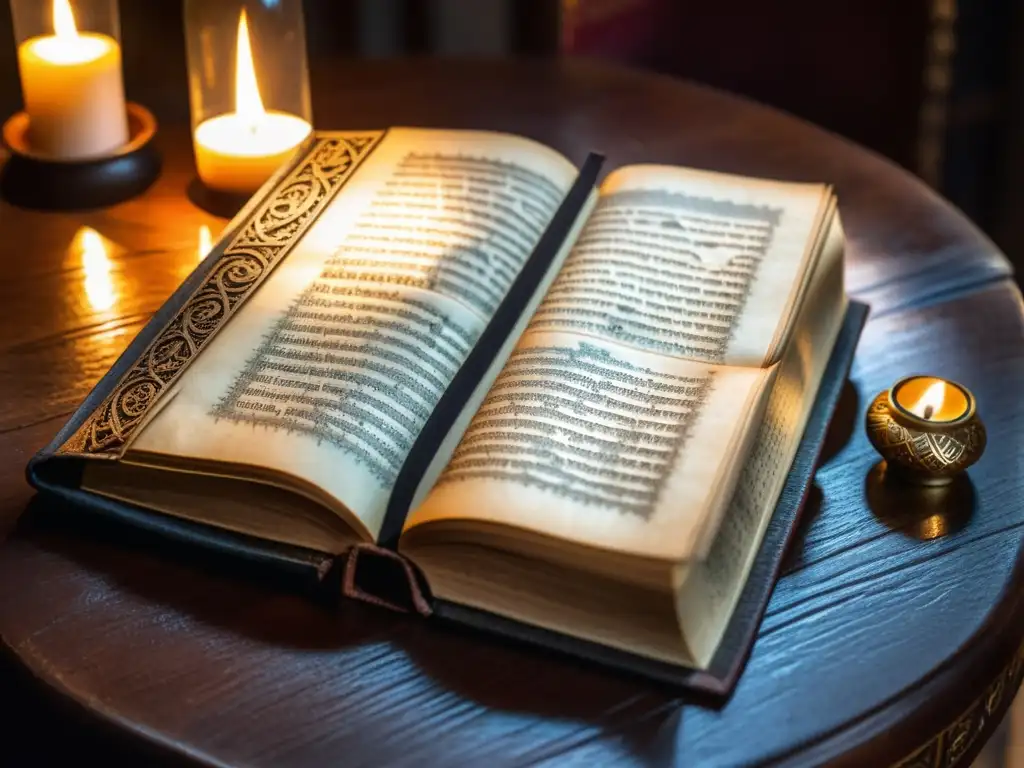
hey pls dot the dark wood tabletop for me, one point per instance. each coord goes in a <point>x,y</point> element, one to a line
<point>894,636</point>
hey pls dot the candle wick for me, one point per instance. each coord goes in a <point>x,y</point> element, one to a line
<point>928,411</point>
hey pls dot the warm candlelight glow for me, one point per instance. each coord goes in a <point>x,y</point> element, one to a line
<point>205,242</point>
<point>237,151</point>
<point>64,20</point>
<point>99,285</point>
<point>931,401</point>
<point>66,46</point>
<point>931,398</point>
<point>71,81</point>
<point>248,102</point>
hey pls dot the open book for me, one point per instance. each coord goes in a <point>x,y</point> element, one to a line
<point>570,408</point>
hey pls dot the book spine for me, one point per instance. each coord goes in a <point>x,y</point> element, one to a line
<point>494,341</point>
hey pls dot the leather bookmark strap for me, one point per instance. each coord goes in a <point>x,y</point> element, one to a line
<point>392,567</point>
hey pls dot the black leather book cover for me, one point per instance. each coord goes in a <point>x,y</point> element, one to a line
<point>103,425</point>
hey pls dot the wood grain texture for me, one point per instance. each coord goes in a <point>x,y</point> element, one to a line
<point>876,638</point>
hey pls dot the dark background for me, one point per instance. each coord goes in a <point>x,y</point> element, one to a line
<point>934,85</point>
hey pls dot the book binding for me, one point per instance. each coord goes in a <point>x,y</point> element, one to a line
<point>399,587</point>
<point>261,239</point>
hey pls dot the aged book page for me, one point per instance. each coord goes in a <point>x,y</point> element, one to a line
<point>544,465</point>
<point>329,371</point>
<point>691,264</point>
<point>712,586</point>
<point>600,445</point>
<point>623,418</point>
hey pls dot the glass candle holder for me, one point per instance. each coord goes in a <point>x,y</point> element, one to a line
<point>69,60</point>
<point>249,89</point>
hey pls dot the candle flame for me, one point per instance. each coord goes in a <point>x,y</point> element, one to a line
<point>91,242</point>
<point>99,286</point>
<point>67,45</point>
<point>64,20</point>
<point>930,401</point>
<point>205,242</point>
<point>248,102</point>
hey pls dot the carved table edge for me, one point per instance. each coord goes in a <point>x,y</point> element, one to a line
<point>952,743</point>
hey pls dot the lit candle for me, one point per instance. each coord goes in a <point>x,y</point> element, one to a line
<point>238,151</point>
<point>926,428</point>
<point>73,90</point>
<point>931,399</point>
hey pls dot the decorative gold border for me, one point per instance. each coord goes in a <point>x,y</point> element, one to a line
<point>947,748</point>
<point>272,230</point>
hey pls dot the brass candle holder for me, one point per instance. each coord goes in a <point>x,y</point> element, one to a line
<point>927,429</point>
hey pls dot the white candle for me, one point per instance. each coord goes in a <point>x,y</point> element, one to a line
<point>73,90</point>
<point>238,151</point>
<point>236,156</point>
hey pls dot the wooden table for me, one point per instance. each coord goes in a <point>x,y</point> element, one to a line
<point>891,639</point>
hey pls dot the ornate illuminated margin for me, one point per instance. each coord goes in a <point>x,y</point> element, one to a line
<point>272,230</point>
<point>947,748</point>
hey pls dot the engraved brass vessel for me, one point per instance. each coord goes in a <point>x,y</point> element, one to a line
<point>927,429</point>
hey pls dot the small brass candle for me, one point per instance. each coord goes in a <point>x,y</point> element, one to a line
<point>927,429</point>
